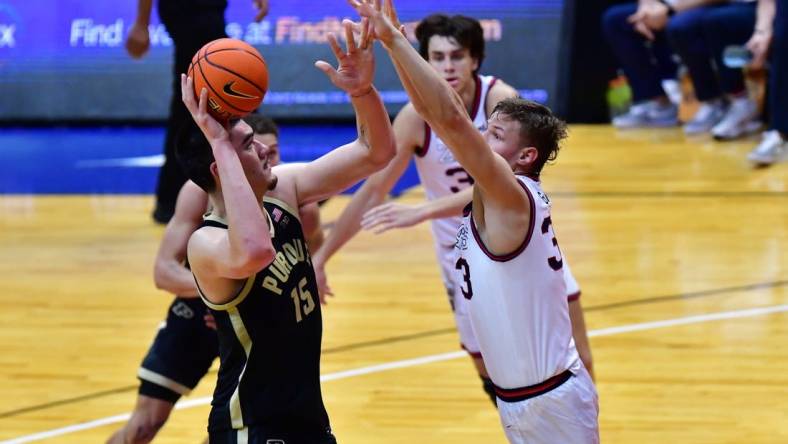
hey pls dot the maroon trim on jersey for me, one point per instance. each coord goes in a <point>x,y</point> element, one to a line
<point>474,354</point>
<point>532,391</point>
<point>489,88</point>
<point>573,297</point>
<point>515,253</point>
<point>534,177</point>
<point>467,210</point>
<point>421,152</point>
<point>477,98</point>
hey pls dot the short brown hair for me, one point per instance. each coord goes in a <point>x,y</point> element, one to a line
<point>539,127</point>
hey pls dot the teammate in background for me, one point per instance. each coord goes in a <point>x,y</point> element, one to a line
<point>190,24</point>
<point>396,215</point>
<point>186,344</point>
<point>507,253</point>
<point>454,47</point>
<point>251,266</point>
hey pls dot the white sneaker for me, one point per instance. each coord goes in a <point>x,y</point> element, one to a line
<point>773,148</point>
<point>740,120</point>
<point>648,114</point>
<point>708,115</point>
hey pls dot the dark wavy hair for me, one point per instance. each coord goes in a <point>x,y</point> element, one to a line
<point>466,31</point>
<point>261,124</point>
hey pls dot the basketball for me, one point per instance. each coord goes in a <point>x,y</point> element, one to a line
<point>235,75</point>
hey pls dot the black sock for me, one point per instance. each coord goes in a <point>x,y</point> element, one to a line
<point>488,387</point>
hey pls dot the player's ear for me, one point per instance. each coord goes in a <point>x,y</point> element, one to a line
<point>527,156</point>
<point>215,173</point>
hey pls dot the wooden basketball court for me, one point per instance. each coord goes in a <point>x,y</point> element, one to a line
<point>679,247</point>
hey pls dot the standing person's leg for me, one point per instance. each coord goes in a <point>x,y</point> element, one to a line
<point>645,65</point>
<point>732,24</point>
<point>779,70</point>
<point>189,32</point>
<point>774,146</point>
<point>685,33</point>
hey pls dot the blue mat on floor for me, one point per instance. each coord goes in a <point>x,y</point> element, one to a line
<point>126,160</point>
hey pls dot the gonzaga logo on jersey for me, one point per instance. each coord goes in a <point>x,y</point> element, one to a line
<point>462,238</point>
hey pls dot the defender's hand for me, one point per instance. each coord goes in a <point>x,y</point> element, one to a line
<point>213,130</point>
<point>356,66</point>
<point>391,215</point>
<point>322,283</point>
<point>138,41</point>
<point>382,17</point>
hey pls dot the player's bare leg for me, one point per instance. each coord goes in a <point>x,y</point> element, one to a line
<point>148,417</point>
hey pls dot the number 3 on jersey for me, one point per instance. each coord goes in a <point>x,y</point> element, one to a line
<point>555,262</point>
<point>462,264</point>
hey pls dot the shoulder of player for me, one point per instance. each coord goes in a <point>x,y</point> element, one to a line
<point>200,247</point>
<point>408,129</point>
<point>285,190</point>
<point>191,204</point>
<point>499,91</point>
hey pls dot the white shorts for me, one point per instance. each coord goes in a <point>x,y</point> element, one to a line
<point>447,258</point>
<point>566,414</point>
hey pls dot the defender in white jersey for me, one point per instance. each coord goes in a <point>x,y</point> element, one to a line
<point>396,215</point>
<point>509,259</point>
<point>454,47</point>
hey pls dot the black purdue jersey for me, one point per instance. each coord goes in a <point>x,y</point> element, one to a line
<point>269,340</point>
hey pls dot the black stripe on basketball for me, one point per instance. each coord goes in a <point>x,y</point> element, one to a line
<point>223,68</point>
<point>215,93</point>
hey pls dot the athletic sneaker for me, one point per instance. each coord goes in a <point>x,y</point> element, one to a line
<point>708,115</point>
<point>648,114</point>
<point>773,148</point>
<point>740,119</point>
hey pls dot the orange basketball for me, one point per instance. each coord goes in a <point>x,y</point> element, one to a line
<point>235,75</point>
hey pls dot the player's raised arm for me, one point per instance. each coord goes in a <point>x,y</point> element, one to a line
<point>374,148</point>
<point>245,247</point>
<point>444,111</point>
<point>373,192</point>
<point>396,215</point>
<point>169,272</point>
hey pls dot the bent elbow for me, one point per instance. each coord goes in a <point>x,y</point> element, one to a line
<point>258,257</point>
<point>383,156</point>
<point>160,276</point>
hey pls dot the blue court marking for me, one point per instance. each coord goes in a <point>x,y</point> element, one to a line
<point>125,160</point>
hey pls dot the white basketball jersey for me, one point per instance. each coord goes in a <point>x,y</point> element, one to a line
<point>440,174</point>
<point>518,304</point>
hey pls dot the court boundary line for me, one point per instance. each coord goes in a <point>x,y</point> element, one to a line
<point>629,328</point>
<point>430,333</point>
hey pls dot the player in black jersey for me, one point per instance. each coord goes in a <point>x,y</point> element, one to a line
<point>252,267</point>
<point>186,344</point>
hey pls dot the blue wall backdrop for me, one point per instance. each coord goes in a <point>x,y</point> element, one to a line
<point>65,59</point>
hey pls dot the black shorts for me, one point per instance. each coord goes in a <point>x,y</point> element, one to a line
<point>257,435</point>
<point>181,354</point>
